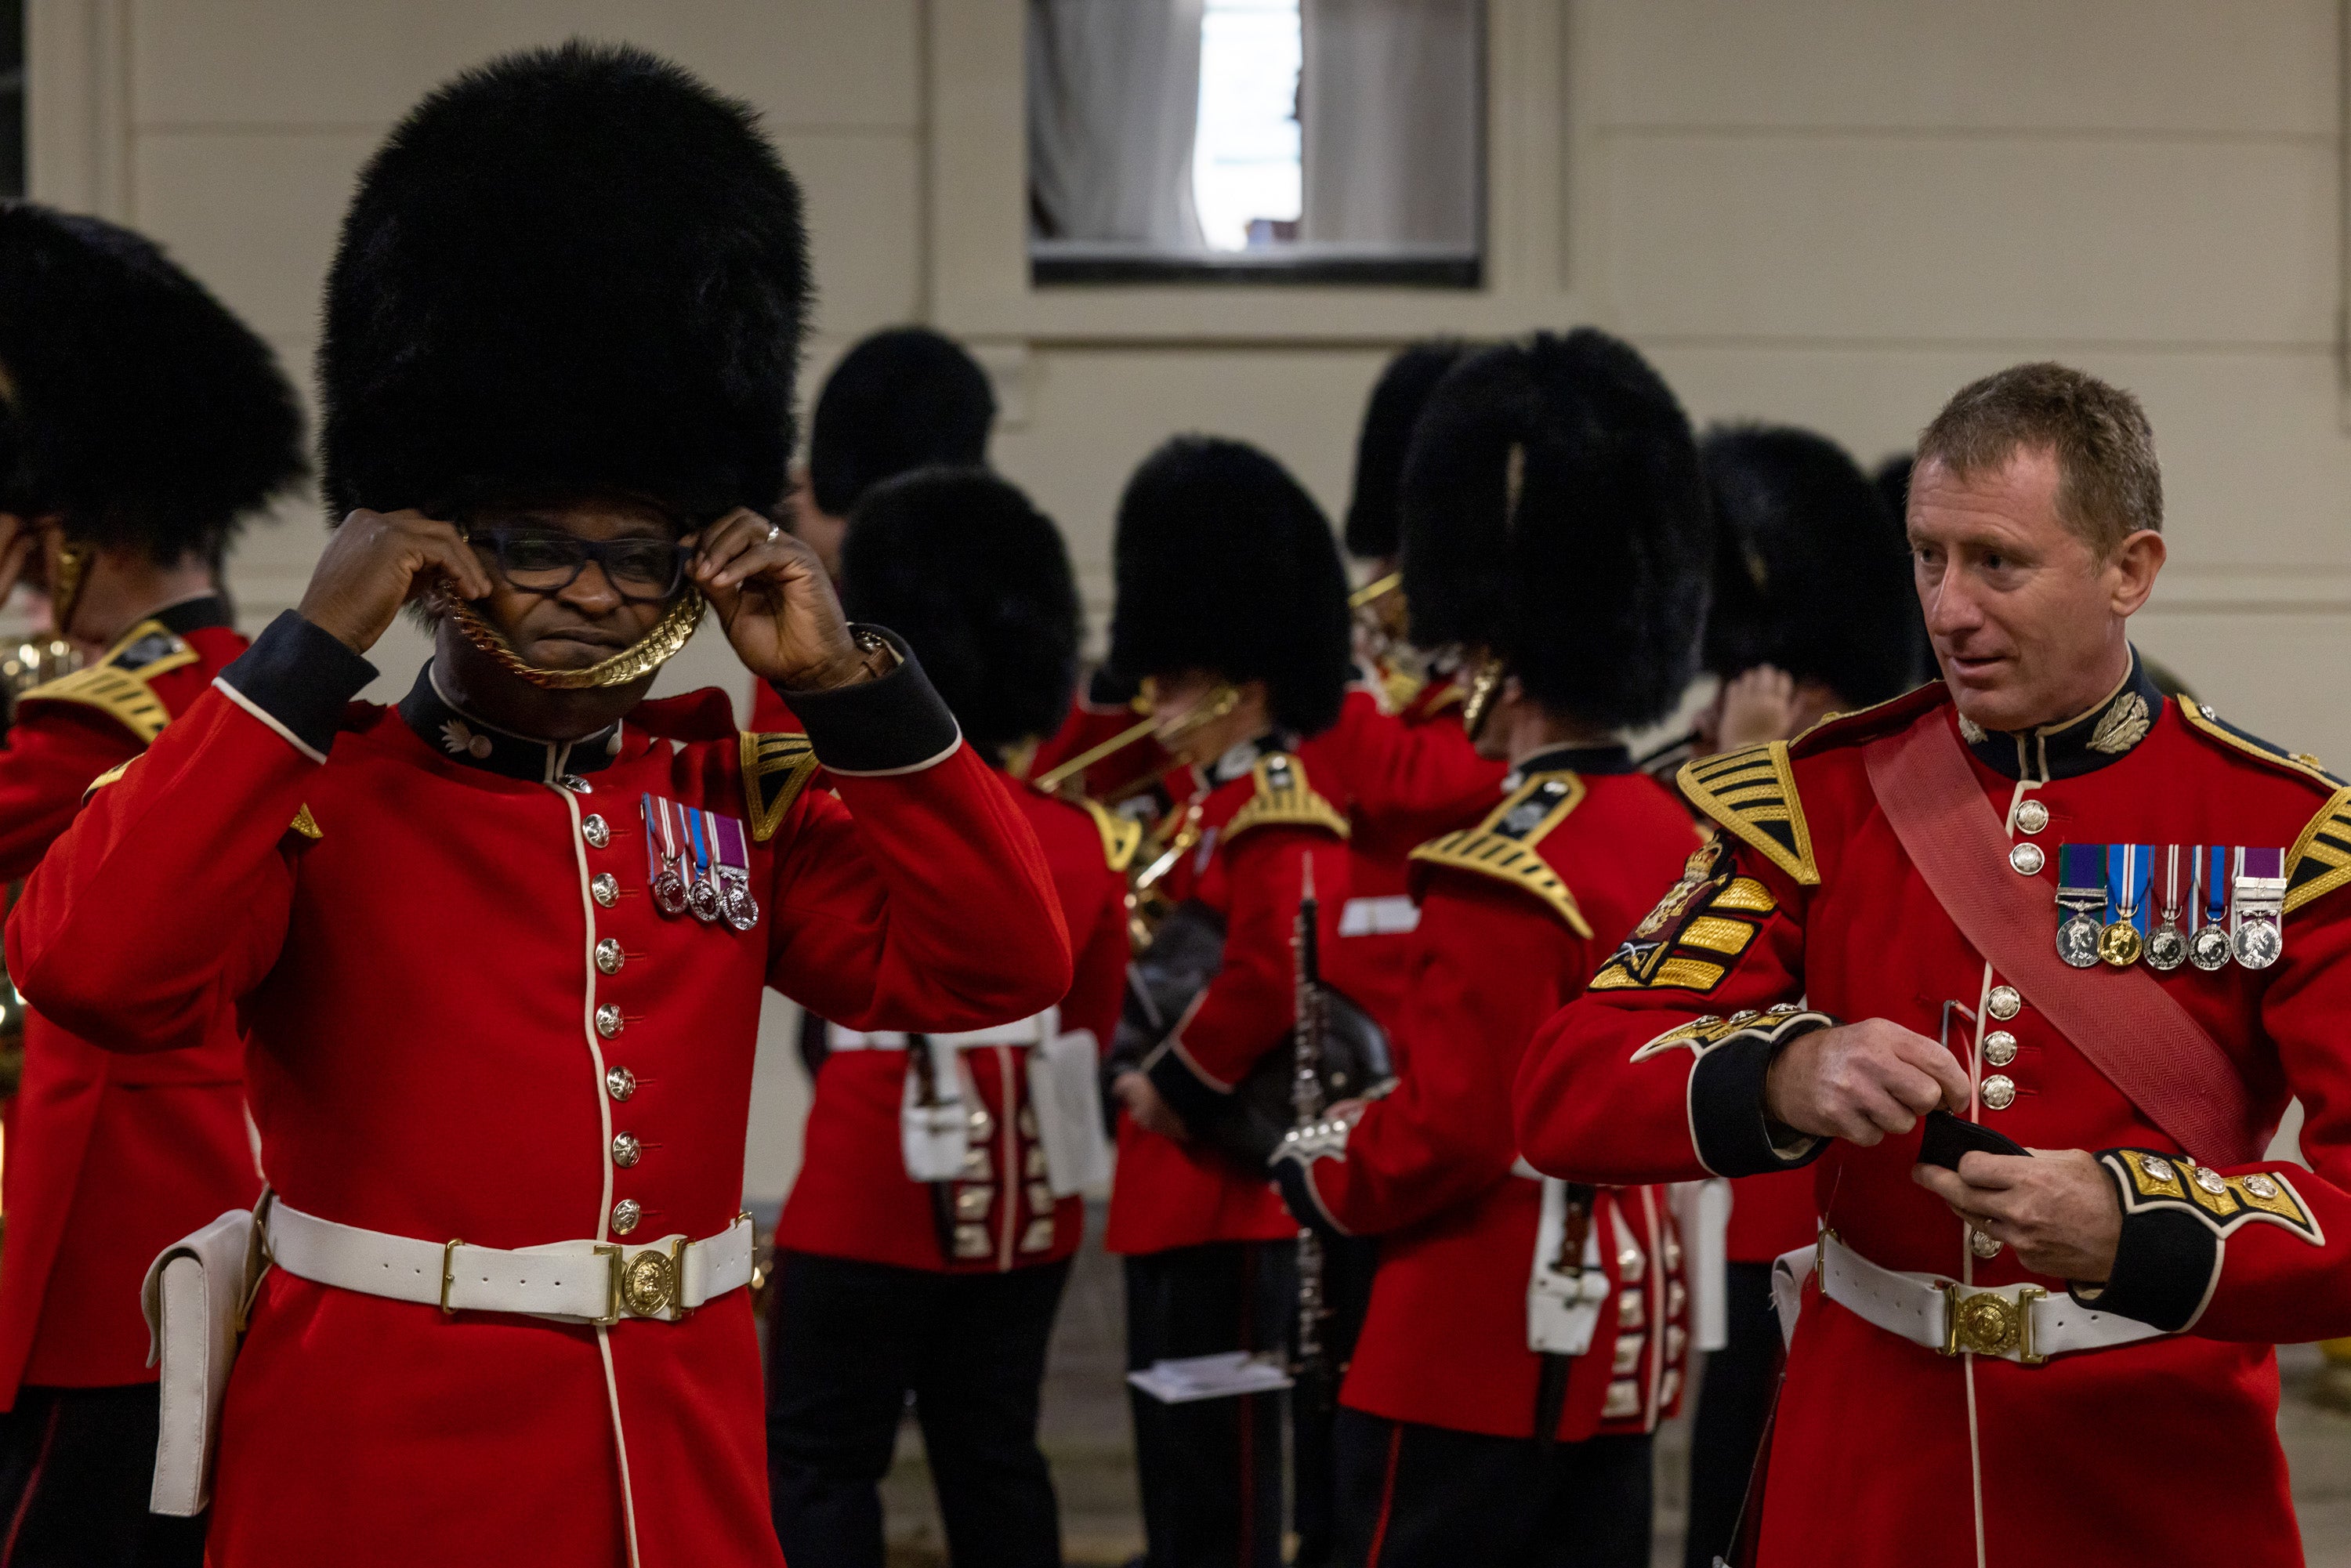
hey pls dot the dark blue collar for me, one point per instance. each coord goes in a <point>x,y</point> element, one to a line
<point>2107,733</point>
<point>463,738</point>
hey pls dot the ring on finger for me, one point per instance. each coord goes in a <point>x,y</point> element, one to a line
<point>775,532</point>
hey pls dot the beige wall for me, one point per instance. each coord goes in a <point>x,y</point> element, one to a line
<point>1830,213</point>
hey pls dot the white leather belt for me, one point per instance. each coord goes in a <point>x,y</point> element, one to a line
<point>2015,1323</point>
<point>1032,1031</point>
<point>571,1282</point>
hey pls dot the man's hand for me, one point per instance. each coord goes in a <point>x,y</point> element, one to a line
<point>1861,1080</point>
<point>2058,1209</point>
<point>1757,706</point>
<point>378,562</point>
<point>1150,1112</point>
<point>776,604</point>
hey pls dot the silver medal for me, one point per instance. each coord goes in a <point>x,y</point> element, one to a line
<point>2166,946</point>
<point>2077,940</point>
<point>706,902</point>
<point>2209,948</point>
<point>742,909</point>
<point>2258,944</point>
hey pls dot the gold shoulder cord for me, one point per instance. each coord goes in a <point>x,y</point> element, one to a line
<point>635,661</point>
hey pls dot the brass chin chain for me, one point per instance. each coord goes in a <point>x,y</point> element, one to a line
<point>635,661</point>
<point>1484,686</point>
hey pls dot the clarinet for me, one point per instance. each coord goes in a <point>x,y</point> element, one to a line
<point>1306,1107</point>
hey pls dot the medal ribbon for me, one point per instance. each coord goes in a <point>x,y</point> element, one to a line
<point>693,816</point>
<point>2081,877</point>
<point>2213,883</point>
<point>734,852</point>
<point>2171,883</point>
<point>2129,869</point>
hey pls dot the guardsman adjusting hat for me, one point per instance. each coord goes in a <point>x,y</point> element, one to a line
<point>134,407</point>
<point>1555,521</point>
<point>1224,563</point>
<point>571,272</point>
<point>1811,574</point>
<point>977,581</point>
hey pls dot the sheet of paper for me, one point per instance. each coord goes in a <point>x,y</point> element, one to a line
<point>1219,1376</point>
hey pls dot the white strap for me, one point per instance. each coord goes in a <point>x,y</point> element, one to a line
<point>1032,1030</point>
<point>2015,1323</point>
<point>573,1281</point>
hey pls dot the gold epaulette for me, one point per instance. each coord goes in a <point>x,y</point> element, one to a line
<point>1284,799</point>
<point>103,779</point>
<point>1831,729</point>
<point>117,684</point>
<point>1754,794</point>
<point>775,769</point>
<point>2320,861</point>
<point>2301,764</point>
<point>1121,836</point>
<point>1503,845</point>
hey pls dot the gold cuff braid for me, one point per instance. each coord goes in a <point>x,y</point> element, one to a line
<point>639,659</point>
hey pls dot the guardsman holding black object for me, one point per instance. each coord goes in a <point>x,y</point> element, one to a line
<point>2093,940</point>
<point>140,423</point>
<point>500,948</point>
<point>1812,614</point>
<point>1232,604</point>
<point>927,1238</point>
<point>1525,1337</point>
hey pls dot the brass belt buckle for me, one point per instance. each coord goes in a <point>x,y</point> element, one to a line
<point>612,1252</point>
<point>1986,1322</point>
<point>650,1282</point>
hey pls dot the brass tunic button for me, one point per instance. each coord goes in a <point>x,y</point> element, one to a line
<point>609,956</point>
<point>593,830</point>
<point>605,888</point>
<point>2027,859</point>
<point>626,1150</point>
<point>1999,1048</point>
<point>608,1020</point>
<point>619,1083</point>
<point>2004,1002</point>
<point>1983,1246</point>
<point>625,1215</point>
<point>1999,1093</point>
<point>573,782</point>
<point>2031,816</point>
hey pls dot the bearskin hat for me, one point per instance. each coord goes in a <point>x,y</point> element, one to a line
<point>1810,571</point>
<point>131,403</point>
<point>1554,514</point>
<point>904,398</point>
<point>1398,398</point>
<point>1224,562</point>
<point>571,271</point>
<point>976,579</point>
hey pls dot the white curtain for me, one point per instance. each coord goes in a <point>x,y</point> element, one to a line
<point>1114,108</point>
<point>1390,111</point>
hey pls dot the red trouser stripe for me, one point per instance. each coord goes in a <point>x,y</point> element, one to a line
<point>1387,1496</point>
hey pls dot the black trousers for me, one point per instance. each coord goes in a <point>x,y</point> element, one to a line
<point>1429,1497</point>
<point>1733,1404</point>
<point>1210,1472</point>
<point>847,1342</point>
<point>76,1467</point>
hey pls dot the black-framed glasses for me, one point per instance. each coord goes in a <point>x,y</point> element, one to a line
<point>547,560</point>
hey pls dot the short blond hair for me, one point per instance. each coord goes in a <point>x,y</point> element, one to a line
<point>2109,485</point>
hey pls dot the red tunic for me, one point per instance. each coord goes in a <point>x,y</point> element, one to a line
<point>853,1198</point>
<point>1429,1169</point>
<point>110,1158</point>
<point>1409,776</point>
<point>1169,1194</point>
<point>426,985</point>
<point>1886,1452</point>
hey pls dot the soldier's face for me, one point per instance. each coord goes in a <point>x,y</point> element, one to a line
<point>2027,621</point>
<point>589,619</point>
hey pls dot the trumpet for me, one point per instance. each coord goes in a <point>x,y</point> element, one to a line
<point>1221,700</point>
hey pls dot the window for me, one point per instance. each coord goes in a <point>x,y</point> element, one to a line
<point>1255,140</point>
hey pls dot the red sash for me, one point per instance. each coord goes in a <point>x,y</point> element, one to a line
<point>2126,1024</point>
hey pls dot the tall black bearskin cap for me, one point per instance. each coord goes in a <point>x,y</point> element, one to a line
<point>569,272</point>
<point>1810,571</point>
<point>131,403</point>
<point>1225,563</point>
<point>904,398</point>
<point>977,581</point>
<point>1398,398</point>
<point>1554,514</point>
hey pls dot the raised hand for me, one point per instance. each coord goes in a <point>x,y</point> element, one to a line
<point>378,562</point>
<point>776,605</point>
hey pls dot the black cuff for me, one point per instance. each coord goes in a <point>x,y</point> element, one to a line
<point>1293,1179</point>
<point>1190,1094</point>
<point>2163,1266</point>
<point>1732,1135</point>
<point>897,724</point>
<point>299,676</point>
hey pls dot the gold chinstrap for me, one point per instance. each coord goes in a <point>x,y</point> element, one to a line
<point>635,661</point>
